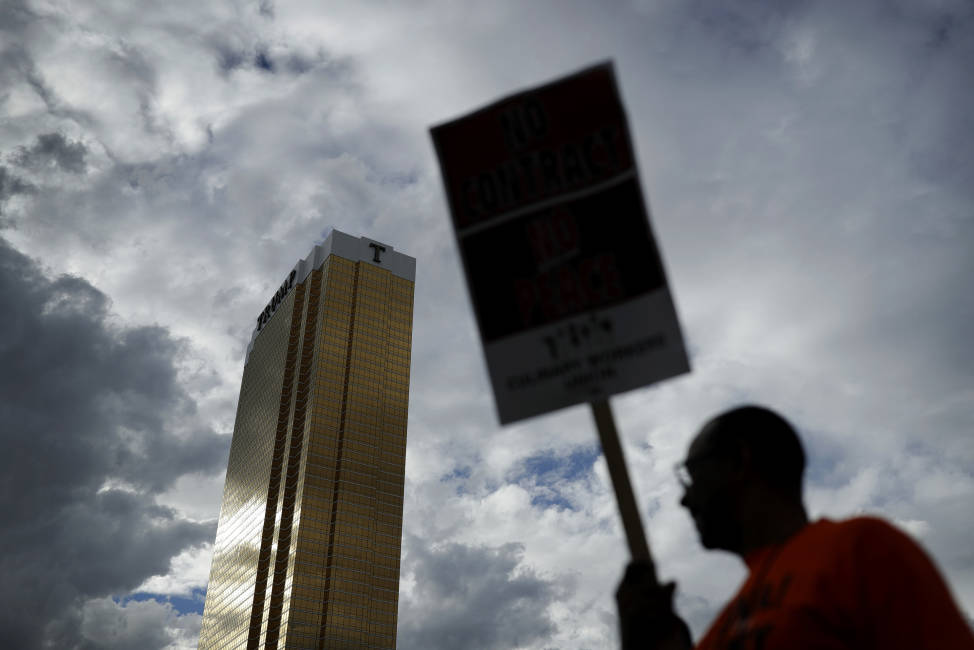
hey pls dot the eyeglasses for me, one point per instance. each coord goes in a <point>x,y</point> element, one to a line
<point>682,469</point>
<point>683,475</point>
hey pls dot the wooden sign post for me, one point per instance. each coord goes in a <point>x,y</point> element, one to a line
<point>625,498</point>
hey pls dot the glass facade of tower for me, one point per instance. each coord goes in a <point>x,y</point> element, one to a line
<point>308,543</point>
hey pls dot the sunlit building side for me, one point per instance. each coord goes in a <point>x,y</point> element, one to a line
<point>308,542</point>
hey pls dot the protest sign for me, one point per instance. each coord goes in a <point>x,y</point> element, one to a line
<point>564,274</point>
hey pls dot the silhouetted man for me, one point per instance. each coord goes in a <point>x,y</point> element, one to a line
<point>854,584</point>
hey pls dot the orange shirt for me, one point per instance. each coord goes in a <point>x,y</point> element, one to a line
<point>857,584</point>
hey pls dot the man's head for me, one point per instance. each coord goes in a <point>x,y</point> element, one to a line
<point>745,464</point>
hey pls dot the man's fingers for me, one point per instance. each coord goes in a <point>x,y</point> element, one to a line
<point>668,589</point>
<point>640,592</point>
<point>638,572</point>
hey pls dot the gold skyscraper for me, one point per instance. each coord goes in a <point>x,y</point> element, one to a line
<point>308,543</point>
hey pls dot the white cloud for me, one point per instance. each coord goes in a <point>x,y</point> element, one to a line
<point>188,571</point>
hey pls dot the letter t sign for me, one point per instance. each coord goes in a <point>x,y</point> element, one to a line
<point>377,248</point>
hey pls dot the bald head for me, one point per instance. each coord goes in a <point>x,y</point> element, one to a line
<point>771,443</point>
<point>743,481</point>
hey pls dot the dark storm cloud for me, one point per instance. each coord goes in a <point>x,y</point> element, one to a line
<point>263,61</point>
<point>93,422</point>
<point>10,185</point>
<point>111,627</point>
<point>470,598</point>
<point>53,150</point>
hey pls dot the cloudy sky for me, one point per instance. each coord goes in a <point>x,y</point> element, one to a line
<point>162,165</point>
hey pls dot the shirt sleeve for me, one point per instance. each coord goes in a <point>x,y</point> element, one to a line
<point>903,601</point>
